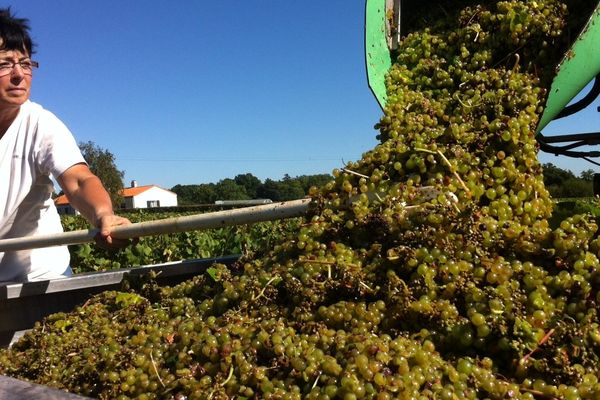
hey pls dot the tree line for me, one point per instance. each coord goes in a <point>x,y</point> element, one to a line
<point>247,186</point>
<point>242,187</point>
<point>563,183</point>
<point>560,183</point>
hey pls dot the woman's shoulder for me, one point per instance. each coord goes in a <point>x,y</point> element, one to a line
<point>32,109</point>
<point>38,115</point>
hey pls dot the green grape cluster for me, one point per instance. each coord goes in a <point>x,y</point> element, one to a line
<point>426,269</point>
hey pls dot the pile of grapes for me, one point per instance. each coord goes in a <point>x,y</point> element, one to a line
<point>426,270</point>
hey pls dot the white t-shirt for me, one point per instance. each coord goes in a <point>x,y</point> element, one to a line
<point>35,146</point>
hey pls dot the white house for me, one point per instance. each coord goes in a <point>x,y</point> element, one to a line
<point>147,196</point>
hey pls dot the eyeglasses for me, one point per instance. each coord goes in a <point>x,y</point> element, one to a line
<point>6,67</point>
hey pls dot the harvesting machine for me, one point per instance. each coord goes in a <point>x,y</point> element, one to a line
<point>579,70</point>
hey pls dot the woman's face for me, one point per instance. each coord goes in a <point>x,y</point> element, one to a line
<point>15,86</point>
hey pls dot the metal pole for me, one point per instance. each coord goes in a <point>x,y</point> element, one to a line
<point>240,216</point>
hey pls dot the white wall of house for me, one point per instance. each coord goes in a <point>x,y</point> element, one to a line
<point>153,197</point>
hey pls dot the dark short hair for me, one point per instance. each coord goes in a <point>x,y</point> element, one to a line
<point>14,32</point>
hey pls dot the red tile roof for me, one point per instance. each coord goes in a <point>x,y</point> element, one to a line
<point>134,191</point>
<point>61,200</point>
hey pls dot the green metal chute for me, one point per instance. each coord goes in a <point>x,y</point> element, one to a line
<point>578,68</point>
<point>377,48</point>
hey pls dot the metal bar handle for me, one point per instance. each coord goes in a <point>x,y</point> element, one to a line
<point>218,219</point>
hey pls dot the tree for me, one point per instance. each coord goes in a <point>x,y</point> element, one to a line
<point>185,194</point>
<point>208,193</point>
<point>577,188</point>
<point>189,194</point>
<point>204,193</point>
<point>286,189</point>
<point>290,188</point>
<point>247,186</point>
<point>555,176</point>
<point>563,183</point>
<point>102,164</point>
<point>228,189</point>
<point>250,184</point>
<point>269,190</point>
<point>587,175</point>
<point>319,180</point>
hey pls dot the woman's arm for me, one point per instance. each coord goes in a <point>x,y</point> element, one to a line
<point>87,194</point>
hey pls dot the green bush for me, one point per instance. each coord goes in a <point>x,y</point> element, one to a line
<point>158,249</point>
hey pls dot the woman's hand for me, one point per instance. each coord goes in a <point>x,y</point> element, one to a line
<point>105,225</point>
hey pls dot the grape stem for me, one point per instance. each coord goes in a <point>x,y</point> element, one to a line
<point>262,292</point>
<point>325,263</point>
<point>447,162</point>
<point>541,342</point>
<point>507,57</point>
<point>454,172</point>
<point>156,370</point>
<point>316,380</point>
<point>365,285</point>
<point>517,59</point>
<point>228,377</point>
<point>538,393</point>
<point>472,16</point>
<point>354,173</point>
<point>469,105</point>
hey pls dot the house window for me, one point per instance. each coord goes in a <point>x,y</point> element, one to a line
<point>153,203</point>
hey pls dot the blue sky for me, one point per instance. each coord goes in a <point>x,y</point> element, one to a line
<point>189,92</point>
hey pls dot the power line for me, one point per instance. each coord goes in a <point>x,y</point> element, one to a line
<point>215,160</point>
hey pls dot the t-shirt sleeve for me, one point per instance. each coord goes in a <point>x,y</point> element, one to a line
<point>58,149</point>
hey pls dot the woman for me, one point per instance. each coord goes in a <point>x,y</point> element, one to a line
<point>35,145</point>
